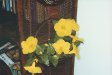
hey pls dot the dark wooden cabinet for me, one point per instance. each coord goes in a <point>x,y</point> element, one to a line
<point>33,14</point>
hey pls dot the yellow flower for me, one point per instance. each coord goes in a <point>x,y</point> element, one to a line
<point>75,25</point>
<point>32,69</point>
<point>55,56</point>
<point>40,52</point>
<point>65,26</point>
<point>75,38</point>
<point>74,50</point>
<point>61,46</point>
<point>46,44</point>
<point>29,45</point>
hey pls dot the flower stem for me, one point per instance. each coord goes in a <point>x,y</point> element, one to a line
<point>32,73</point>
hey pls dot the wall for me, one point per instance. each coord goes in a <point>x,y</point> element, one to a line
<point>94,18</point>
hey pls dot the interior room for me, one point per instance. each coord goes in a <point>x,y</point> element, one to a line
<point>55,37</point>
<point>20,19</point>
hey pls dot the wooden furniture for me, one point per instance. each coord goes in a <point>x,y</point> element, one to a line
<point>32,14</point>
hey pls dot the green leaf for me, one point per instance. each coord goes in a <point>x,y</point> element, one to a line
<point>68,39</point>
<point>38,50</point>
<point>50,50</point>
<point>29,60</point>
<point>54,60</point>
<point>43,47</point>
<point>78,43</point>
<point>73,32</point>
<point>57,38</point>
<point>78,57</point>
<point>45,59</point>
<point>55,21</point>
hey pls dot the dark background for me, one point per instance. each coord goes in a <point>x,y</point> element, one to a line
<point>8,24</point>
<point>7,17</point>
<point>8,28</point>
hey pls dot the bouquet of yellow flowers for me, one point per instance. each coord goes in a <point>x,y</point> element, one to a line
<point>64,43</point>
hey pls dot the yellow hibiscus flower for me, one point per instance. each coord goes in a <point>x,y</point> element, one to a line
<point>75,38</point>
<point>32,69</point>
<point>75,25</point>
<point>61,46</point>
<point>29,45</point>
<point>64,27</point>
<point>74,50</point>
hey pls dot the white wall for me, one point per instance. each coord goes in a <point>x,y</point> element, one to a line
<point>94,18</point>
